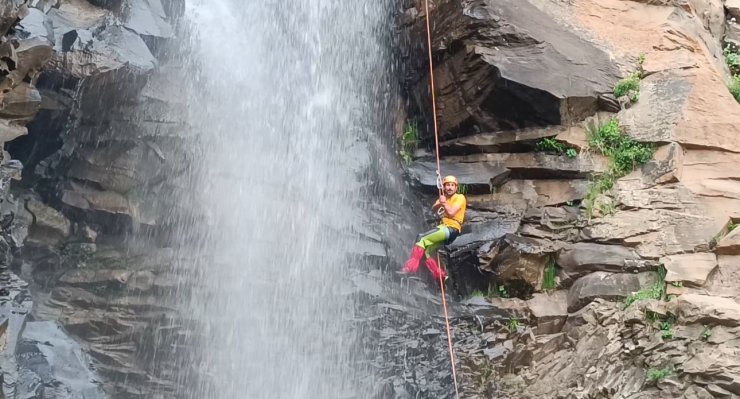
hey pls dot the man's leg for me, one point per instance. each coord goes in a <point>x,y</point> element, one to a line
<point>431,240</point>
<point>430,243</point>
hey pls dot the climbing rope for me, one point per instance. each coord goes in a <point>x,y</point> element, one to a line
<point>436,146</point>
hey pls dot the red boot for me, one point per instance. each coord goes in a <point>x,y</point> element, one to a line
<point>433,267</point>
<point>412,264</point>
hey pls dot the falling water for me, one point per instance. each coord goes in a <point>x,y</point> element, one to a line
<point>284,94</point>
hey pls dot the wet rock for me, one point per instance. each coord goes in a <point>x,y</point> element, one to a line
<point>8,15</point>
<point>10,130</point>
<point>692,270</point>
<point>49,227</point>
<point>34,45</point>
<point>147,17</point>
<point>75,277</point>
<point>711,310</point>
<point>51,365</point>
<point>20,104</point>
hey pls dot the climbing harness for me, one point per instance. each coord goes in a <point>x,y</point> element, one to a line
<point>440,188</point>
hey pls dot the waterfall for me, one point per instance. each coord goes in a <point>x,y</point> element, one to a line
<point>284,96</point>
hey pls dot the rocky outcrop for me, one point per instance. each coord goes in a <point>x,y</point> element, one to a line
<point>527,161</point>
<point>498,67</point>
<point>92,175</point>
<point>107,166</point>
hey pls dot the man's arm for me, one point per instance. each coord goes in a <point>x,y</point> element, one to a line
<point>450,207</point>
<point>436,206</point>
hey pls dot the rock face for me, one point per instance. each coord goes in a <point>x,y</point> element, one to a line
<point>91,174</point>
<point>516,105</point>
<point>498,67</point>
<point>107,166</point>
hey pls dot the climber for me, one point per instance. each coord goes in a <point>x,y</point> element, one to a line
<point>451,207</point>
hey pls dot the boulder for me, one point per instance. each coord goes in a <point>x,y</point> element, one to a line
<point>654,233</point>
<point>8,14</point>
<point>584,257</point>
<point>730,244</point>
<point>21,103</point>
<point>10,130</point>
<point>549,311</point>
<point>612,287</point>
<point>147,17</point>
<point>540,193</point>
<point>710,310</point>
<point>519,263</point>
<point>723,282</point>
<point>50,227</point>
<point>733,8</point>
<point>484,227</point>
<point>479,176</point>
<point>34,47</point>
<point>493,60</point>
<point>632,194</point>
<point>539,164</point>
<point>691,270</point>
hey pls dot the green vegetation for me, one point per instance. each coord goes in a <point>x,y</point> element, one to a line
<point>706,334</point>
<point>721,234</point>
<point>501,291</point>
<point>476,294</point>
<point>655,291</point>
<point>409,142</point>
<point>623,152</point>
<point>462,188</point>
<point>667,329</point>
<point>548,144</point>
<point>548,280</point>
<point>677,284</point>
<point>629,86</point>
<point>512,325</point>
<point>658,374</point>
<point>732,58</point>
<point>735,87</point>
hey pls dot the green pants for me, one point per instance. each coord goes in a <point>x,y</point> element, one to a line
<point>431,240</point>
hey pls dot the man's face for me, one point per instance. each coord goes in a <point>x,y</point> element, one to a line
<point>450,188</point>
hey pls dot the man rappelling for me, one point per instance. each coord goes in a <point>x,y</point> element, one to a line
<point>451,208</point>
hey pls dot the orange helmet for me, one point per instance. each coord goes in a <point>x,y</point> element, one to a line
<point>450,179</point>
